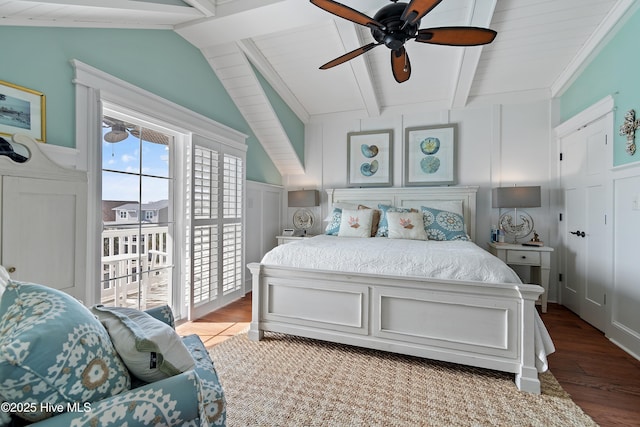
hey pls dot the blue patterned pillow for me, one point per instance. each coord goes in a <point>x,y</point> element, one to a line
<point>53,350</point>
<point>443,225</point>
<point>383,225</point>
<point>334,222</point>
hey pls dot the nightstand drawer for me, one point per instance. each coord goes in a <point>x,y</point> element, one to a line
<point>523,257</point>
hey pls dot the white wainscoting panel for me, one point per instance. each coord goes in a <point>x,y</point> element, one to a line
<point>625,318</point>
<point>263,221</point>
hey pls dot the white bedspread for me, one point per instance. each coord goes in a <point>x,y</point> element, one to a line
<point>397,257</point>
<point>400,257</point>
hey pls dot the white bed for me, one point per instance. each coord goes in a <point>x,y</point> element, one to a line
<point>478,313</point>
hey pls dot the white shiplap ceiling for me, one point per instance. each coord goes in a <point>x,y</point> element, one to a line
<point>539,47</point>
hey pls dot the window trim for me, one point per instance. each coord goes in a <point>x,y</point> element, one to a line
<point>94,88</point>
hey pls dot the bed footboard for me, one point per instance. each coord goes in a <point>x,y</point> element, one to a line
<point>488,325</point>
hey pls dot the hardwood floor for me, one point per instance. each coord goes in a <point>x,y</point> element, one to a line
<point>600,377</point>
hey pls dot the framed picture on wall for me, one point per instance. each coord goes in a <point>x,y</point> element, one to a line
<point>430,155</point>
<point>22,110</point>
<point>370,158</point>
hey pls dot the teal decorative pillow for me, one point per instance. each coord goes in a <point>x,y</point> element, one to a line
<point>383,225</point>
<point>151,349</point>
<point>443,225</point>
<point>53,350</point>
<point>334,222</point>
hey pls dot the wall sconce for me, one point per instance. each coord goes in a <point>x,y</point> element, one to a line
<point>517,224</point>
<point>303,219</point>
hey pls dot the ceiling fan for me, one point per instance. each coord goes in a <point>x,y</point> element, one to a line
<point>120,131</point>
<point>398,22</point>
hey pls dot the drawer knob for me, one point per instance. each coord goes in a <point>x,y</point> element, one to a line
<point>523,257</point>
<point>11,270</point>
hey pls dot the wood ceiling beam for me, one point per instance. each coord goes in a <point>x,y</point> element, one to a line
<point>480,14</point>
<point>351,40</point>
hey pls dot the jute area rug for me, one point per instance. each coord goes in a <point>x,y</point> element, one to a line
<point>290,381</point>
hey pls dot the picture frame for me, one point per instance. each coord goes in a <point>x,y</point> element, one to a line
<point>370,158</point>
<point>430,155</point>
<point>22,110</point>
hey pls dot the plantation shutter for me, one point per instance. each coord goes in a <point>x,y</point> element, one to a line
<point>215,230</point>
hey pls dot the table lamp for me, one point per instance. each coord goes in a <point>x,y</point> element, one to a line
<point>303,219</point>
<point>514,223</point>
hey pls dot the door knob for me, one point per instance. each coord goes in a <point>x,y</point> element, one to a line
<point>578,233</point>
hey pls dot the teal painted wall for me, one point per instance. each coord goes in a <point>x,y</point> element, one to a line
<point>614,71</point>
<point>159,61</point>
<point>293,126</point>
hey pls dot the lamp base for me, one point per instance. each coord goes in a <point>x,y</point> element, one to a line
<point>516,224</point>
<point>303,219</point>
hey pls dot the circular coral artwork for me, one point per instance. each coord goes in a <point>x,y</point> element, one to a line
<point>430,145</point>
<point>430,164</point>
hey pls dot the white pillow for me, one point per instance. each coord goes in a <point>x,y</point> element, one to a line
<point>345,205</point>
<point>151,349</point>
<point>356,223</point>
<point>406,225</point>
<point>446,205</point>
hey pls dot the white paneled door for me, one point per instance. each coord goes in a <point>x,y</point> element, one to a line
<point>586,255</point>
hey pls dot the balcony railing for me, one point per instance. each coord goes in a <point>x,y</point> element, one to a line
<point>136,266</point>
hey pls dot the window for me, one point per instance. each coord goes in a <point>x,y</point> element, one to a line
<point>98,92</point>
<point>137,176</point>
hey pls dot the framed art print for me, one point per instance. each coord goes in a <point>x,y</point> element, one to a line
<point>430,155</point>
<point>22,110</point>
<point>370,158</point>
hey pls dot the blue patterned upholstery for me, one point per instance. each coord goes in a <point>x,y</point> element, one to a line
<point>37,320</point>
<point>54,351</point>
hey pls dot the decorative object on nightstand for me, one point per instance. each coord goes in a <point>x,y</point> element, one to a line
<point>303,219</point>
<point>535,241</point>
<point>537,258</point>
<point>516,224</point>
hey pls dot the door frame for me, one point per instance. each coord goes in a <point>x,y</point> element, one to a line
<point>602,109</point>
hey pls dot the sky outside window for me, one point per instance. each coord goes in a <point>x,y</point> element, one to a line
<point>125,156</point>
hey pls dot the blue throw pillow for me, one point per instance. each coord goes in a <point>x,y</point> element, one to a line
<point>334,222</point>
<point>53,350</point>
<point>443,225</point>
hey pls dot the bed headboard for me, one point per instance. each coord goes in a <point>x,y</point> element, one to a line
<point>446,198</point>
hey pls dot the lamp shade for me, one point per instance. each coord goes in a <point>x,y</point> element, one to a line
<point>516,197</point>
<point>304,198</point>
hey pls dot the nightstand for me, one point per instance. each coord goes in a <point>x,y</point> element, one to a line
<point>288,239</point>
<point>538,258</point>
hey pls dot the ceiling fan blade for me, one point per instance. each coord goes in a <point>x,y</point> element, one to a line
<point>400,65</point>
<point>349,55</point>
<point>347,13</point>
<point>417,9</point>
<point>456,36</point>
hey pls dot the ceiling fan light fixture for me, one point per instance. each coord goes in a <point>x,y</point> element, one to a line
<point>398,22</point>
<point>116,134</point>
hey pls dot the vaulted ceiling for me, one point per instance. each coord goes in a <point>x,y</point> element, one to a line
<point>540,46</point>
